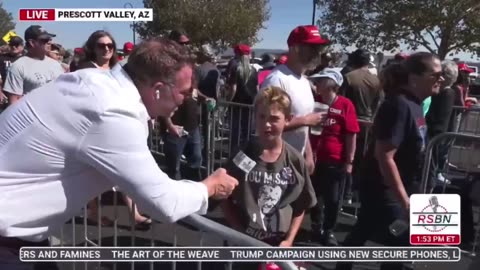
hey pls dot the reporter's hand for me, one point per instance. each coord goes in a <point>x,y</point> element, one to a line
<point>315,119</point>
<point>219,184</point>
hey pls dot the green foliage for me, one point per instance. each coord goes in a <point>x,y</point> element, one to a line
<point>440,26</point>
<point>220,23</point>
<point>6,21</point>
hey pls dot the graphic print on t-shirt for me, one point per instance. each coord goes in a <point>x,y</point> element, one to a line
<point>268,198</point>
<point>422,130</point>
<point>268,188</point>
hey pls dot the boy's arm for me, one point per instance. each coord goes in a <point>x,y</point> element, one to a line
<point>306,200</point>
<point>293,230</point>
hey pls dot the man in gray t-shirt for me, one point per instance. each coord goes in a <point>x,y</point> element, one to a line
<point>35,68</point>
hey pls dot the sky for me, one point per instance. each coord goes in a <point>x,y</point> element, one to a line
<point>285,15</point>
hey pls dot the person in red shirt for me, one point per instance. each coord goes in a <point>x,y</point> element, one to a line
<point>334,150</point>
<point>462,87</point>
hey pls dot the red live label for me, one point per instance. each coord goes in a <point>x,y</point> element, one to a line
<point>436,239</point>
<point>37,14</point>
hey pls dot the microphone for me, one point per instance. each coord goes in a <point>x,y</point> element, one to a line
<point>245,160</point>
<point>434,205</point>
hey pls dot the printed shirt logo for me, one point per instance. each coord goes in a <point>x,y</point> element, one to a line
<point>268,189</point>
<point>422,131</point>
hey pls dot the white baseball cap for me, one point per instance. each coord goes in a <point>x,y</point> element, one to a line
<point>330,73</point>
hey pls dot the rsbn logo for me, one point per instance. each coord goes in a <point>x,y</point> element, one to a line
<point>435,219</point>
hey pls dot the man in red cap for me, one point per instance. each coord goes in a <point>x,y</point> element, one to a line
<point>462,86</point>
<point>238,50</point>
<point>127,50</point>
<point>77,56</point>
<point>305,46</point>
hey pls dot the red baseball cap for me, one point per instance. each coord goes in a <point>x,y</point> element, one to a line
<point>242,49</point>
<point>128,47</point>
<point>283,59</point>
<point>465,68</point>
<point>78,50</point>
<point>306,34</point>
<point>401,56</point>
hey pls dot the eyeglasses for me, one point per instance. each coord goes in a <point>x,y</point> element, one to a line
<point>436,75</point>
<point>185,43</point>
<point>102,46</point>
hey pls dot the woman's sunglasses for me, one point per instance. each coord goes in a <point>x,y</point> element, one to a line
<point>436,75</point>
<point>102,46</point>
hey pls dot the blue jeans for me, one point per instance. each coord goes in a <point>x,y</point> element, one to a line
<point>190,146</point>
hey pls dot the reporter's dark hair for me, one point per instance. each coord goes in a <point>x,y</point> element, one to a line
<point>157,59</point>
<point>418,63</point>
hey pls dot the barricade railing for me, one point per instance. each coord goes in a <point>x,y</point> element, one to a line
<point>363,140</point>
<point>230,125</point>
<point>465,120</point>
<point>205,231</point>
<point>452,165</point>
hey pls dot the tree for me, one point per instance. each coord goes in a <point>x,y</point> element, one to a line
<point>6,21</point>
<point>219,23</point>
<point>440,26</point>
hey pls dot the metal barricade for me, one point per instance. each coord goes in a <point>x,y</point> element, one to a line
<point>466,120</point>
<point>230,125</point>
<point>194,230</point>
<point>350,208</point>
<point>452,165</point>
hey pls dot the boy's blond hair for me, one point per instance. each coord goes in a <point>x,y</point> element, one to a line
<point>273,95</point>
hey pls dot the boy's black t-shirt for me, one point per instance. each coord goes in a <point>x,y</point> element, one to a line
<point>401,123</point>
<point>271,193</point>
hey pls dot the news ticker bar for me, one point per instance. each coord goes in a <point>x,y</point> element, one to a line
<point>86,14</point>
<point>238,254</point>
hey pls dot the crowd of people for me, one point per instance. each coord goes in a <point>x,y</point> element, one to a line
<point>73,129</point>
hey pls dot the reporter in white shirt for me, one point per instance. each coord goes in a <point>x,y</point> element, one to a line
<point>78,136</point>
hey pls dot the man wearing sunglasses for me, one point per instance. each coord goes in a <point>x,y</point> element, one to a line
<point>35,68</point>
<point>179,36</point>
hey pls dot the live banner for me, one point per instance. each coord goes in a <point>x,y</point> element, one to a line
<point>238,254</point>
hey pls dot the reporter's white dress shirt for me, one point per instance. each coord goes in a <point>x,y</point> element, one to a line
<point>71,140</point>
